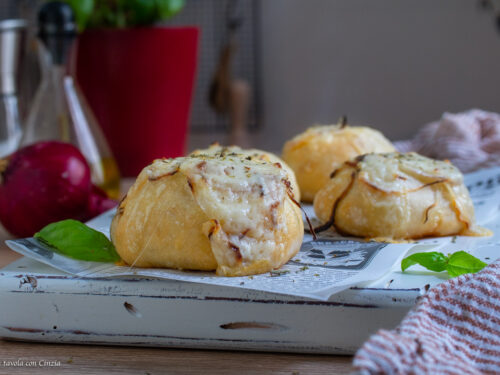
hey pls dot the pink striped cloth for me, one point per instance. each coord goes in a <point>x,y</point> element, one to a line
<point>453,329</point>
<point>470,140</point>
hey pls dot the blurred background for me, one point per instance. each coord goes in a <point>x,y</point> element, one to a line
<point>119,83</point>
<point>391,64</point>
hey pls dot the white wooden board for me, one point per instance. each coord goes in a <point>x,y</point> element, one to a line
<point>38,303</point>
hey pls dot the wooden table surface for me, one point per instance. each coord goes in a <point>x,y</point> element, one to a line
<point>83,359</point>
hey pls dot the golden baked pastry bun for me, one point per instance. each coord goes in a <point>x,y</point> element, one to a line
<point>227,214</point>
<point>216,149</point>
<point>315,153</point>
<point>396,196</point>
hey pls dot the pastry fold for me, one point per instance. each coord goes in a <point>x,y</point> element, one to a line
<point>396,196</point>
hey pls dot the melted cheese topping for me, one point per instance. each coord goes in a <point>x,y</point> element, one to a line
<point>241,197</point>
<point>216,150</point>
<point>224,151</point>
<point>402,173</point>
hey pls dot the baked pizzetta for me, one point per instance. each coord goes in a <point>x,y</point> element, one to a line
<point>315,153</point>
<point>228,214</point>
<point>252,154</point>
<point>396,196</point>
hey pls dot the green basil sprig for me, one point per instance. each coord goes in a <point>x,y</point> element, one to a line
<point>95,14</point>
<point>76,240</point>
<point>455,264</point>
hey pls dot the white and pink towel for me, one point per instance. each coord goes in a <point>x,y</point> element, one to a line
<point>454,329</point>
<point>470,140</point>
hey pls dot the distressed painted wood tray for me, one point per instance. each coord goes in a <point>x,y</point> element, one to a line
<point>38,303</point>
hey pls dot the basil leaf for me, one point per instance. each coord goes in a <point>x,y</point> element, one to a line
<point>455,264</point>
<point>433,261</point>
<point>462,262</point>
<point>76,240</point>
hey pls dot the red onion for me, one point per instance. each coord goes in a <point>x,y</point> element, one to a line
<point>98,202</point>
<point>43,183</point>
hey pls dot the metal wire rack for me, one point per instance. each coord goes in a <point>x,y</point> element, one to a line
<point>211,17</point>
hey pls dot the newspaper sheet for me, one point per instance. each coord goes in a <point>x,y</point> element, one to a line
<point>322,267</point>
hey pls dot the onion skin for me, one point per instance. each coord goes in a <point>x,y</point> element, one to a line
<point>41,184</point>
